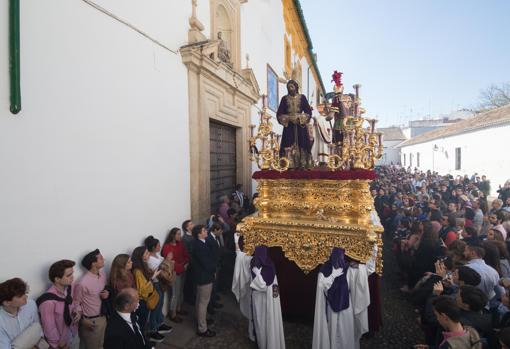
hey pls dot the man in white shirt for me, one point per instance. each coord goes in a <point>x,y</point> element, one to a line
<point>18,315</point>
<point>122,330</point>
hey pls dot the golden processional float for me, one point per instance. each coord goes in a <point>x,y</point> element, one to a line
<point>308,212</point>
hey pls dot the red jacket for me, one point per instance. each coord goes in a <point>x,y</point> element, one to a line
<point>180,255</point>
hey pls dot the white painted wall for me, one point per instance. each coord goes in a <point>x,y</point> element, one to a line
<point>262,29</point>
<point>99,155</point>
<point>407,132</point>
<point>482,152</point>
<point>391,153</point>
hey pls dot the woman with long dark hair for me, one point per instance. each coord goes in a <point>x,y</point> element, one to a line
<point>427,253</point>
<point>174,246</point>
<point>143,280</point>
<point>503,257</point>
<point>492,255</point>
<point>156,318</point>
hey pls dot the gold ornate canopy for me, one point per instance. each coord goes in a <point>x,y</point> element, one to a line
<point>308,217</point>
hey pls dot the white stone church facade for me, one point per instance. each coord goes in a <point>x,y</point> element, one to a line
<point>132,119</point>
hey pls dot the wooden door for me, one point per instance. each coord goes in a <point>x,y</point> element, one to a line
<point>223,162</point>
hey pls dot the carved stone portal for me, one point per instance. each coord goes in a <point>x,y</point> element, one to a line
<point>216,93</point>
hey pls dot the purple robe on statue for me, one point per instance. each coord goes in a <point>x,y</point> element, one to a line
<point>291,130</point>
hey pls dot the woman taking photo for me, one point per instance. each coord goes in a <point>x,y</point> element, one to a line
<point>149,297</point>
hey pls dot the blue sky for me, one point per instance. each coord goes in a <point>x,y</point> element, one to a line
<point>414,58</point>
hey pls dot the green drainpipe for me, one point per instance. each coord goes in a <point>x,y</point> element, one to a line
<point>14,62</point>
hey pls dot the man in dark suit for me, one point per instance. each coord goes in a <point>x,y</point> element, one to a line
<point>203,261</point>
<point>215,242</point>
<point>122,330</point>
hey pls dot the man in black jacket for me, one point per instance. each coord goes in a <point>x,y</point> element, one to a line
<point>214,241</point>
<point>203,261</point>
<point>471,301</point>
<point>122,330</point>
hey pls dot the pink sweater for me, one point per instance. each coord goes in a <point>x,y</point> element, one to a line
<point>52,320</point>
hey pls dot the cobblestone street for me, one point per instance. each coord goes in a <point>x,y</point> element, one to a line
<point>400,329</point>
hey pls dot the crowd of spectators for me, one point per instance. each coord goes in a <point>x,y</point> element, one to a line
<point>125,308</point>
<point>451,244</point>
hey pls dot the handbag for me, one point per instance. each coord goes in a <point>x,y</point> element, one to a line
<point>152,300</point>
<point>167,275</point>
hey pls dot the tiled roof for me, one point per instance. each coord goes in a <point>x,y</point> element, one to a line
<point>392,133</point>
<point>491,118</point>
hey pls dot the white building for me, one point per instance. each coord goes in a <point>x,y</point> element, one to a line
<point>474,145</point>
<point>132,119</point>
<point>418,127</point>
<point>393,136</point>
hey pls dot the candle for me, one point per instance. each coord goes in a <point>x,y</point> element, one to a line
<point>372,125</point>
<point>356,89</point>
<point>380,138</point>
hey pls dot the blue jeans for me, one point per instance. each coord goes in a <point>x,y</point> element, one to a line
<point>156,316</point>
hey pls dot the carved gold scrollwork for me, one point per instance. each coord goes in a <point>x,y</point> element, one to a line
<point>307,218</point>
